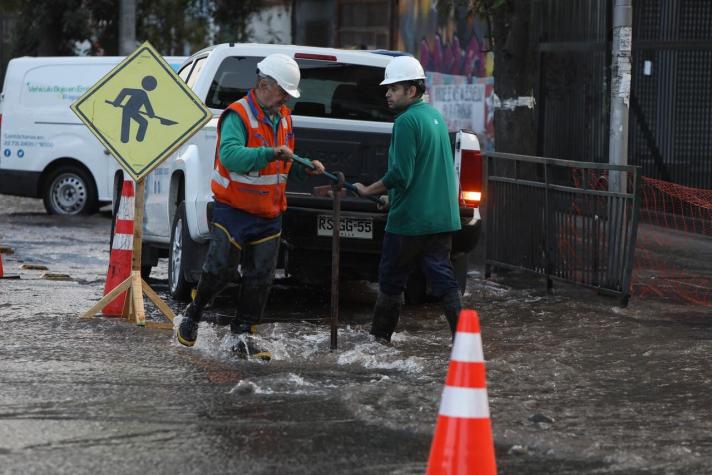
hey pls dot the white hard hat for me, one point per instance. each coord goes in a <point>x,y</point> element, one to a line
<point>403,68</point>
<point>282,69</point>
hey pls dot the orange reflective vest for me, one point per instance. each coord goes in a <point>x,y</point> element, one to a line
<point>262,192</point>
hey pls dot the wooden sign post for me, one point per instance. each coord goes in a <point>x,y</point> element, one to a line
<point>142,112</point>
<point>134,285</point>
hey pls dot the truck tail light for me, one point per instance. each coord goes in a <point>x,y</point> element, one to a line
<point>469,159</point>
<point>471,178</point>
<point>472,196</point>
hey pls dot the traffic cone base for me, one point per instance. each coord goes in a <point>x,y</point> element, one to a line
<point>465,446</point>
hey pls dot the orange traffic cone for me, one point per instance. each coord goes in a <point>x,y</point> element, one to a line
<point>463,442</point>
<point>121,250</point>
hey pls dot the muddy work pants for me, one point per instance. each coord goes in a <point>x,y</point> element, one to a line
<point>401,256</point>
<point>239,238</point>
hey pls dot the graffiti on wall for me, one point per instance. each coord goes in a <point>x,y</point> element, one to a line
<point>452,45</point>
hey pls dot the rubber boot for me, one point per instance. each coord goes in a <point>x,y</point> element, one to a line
<point>253,300</point>
<point>188,329</point>
<point>385,316</point>
<point>251,306</point>
<point>246,346</point>
<point>452,304</point>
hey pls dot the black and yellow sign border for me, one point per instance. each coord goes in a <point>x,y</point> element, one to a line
<point>172,147</point>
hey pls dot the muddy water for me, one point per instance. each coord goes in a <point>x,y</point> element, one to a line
<point>576,383</point>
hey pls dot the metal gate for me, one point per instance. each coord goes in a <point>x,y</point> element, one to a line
<point>557,218</point>
<point>671,97</point>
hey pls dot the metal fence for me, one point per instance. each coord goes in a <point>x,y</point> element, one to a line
<point>671,100</point>
<point>559,219</point>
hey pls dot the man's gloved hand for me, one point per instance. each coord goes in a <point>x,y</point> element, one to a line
<point>317,170</point>
<point>283,153</point>
<point>360,189</point>
<point>365,191</point>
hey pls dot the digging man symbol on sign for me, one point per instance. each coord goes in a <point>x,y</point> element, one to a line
<point>138,98</point>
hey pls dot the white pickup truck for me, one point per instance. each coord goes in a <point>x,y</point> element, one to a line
<point>340,119</point>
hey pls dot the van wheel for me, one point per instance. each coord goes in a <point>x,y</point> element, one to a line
<point>180,256</point>
<point>71,191</point>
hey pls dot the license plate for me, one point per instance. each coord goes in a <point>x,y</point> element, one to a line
<point>351,227</point>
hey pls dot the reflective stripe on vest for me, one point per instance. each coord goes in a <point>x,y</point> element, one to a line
<point>253,120</point>
<point>262,192</point>
<point>250,180</point>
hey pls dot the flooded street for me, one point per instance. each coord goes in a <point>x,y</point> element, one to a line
<point>576,383</point>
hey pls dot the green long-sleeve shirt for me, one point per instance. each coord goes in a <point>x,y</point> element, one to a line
<point>421,181</point>
<point>237,157</point>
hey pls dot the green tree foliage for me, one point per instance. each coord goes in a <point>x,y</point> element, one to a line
<point>231,18</point>
<point>174,27</point>
<point>47,27</point>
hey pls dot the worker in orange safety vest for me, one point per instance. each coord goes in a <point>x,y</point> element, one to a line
<point>253,162</point>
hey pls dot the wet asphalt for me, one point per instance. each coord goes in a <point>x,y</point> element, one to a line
<point>577,383</point>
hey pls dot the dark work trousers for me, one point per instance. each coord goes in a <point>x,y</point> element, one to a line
<point>240,238</point>
<point>403,254</point>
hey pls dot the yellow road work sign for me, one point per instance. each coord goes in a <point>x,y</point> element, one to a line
<point>141,111</point>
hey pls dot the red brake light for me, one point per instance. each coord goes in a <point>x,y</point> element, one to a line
<point>471,178</point>
<point>318,57</point>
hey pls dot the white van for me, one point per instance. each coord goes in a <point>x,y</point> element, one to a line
<point>45,151</point>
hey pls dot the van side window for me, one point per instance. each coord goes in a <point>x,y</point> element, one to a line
<point>185,71</point>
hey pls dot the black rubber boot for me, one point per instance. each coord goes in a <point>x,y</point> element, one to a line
<point>385,316</point>
<point>246,347</point>
<point>253,300</point>
<point>452,304</point>
<point>188,329</point>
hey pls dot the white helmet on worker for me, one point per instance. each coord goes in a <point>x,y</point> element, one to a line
<point>403,68</point>
<point>282,69</point>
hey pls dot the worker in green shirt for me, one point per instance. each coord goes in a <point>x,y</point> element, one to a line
<point>423,203</point>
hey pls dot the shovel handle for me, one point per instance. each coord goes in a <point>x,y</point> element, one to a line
<point>349,186</point>
<point>163,120</point>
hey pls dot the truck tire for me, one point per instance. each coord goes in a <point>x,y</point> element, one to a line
<point>70,191</point>
<point>180,256</point>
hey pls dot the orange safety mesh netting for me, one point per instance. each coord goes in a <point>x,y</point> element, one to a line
<point>673,256</point>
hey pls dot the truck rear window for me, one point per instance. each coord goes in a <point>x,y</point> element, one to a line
<point>332,90</point>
